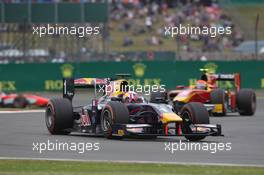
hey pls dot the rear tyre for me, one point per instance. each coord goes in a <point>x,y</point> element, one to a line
<point>246,102</point>
<point>114,113</point>
<point>59,116</point>
<point>158,97</point>
<point>194,113</point>
<point>218,97</point>
<point>20,102</point>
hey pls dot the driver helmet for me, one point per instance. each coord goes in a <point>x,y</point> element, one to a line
<point>201,84</point>
<point>132,97</point>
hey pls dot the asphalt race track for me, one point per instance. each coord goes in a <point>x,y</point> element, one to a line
<point>18,132</point>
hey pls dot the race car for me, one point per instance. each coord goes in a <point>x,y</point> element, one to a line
<point>22,100</point>
<point>125,114</point>
<point>209,91</point>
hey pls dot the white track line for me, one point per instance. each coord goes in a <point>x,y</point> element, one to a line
<point>133,161</point>
<point>22,111</point>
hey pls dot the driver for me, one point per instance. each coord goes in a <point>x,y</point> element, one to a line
<point>201,84</point>
<point>131,97</point>
<point>209,78</point>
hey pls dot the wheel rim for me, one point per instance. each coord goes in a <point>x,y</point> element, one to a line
<point>186,115</point>
<point>106,120</point>
<point>187,121</point>
<point>49,115</point>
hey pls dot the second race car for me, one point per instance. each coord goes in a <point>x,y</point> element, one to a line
<point>207,90</point>
<point>21,100</point>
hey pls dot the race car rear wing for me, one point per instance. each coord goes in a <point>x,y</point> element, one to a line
<point>70,84</point>
<point>89,82</point>
<point>235,77</point>
<point>226,77</point>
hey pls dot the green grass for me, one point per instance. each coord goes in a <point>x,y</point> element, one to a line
<point>29,167</point>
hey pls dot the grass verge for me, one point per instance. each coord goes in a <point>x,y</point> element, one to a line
<point>41,167</point>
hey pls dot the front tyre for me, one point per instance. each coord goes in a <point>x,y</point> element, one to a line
<point>114,112</point>
<point>59,116</point>
<point>218,97</point>
<point>194,113</point>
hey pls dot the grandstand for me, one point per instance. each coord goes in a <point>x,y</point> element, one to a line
<point>131,30</point>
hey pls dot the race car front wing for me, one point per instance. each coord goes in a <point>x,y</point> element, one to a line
<point>149,130</point>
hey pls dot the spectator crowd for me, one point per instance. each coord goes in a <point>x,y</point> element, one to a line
<point>136,18</point>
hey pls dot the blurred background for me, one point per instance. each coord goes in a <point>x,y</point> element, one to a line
<point>130,30</point>
<point>131,40</point>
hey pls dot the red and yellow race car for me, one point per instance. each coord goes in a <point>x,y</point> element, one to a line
<point>209,90</point>
<point>22,100</point>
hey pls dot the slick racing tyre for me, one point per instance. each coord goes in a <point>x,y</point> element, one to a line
<point>218,97</point>
<point>194,113</point>
<point>20,102</point>
<point>246,102</point>
<point>114,112</point>
<point>59,116</point>
<point>158,97</point>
